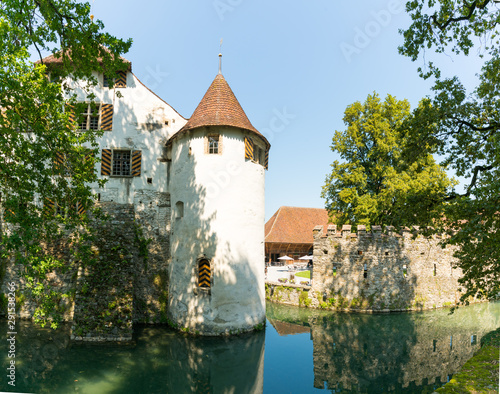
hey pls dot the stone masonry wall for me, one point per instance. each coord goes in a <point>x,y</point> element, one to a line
<point>127,284</point>
<point>383,271</point>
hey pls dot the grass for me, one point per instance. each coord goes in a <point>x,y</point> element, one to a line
<point>304,274</point>
<point>480,373</point>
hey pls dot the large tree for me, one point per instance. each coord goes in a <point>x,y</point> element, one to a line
<point>463,127</point>
<point>375,183</point>
<point>45,165</point>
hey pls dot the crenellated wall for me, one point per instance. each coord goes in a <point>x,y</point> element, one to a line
<point>383,270</point>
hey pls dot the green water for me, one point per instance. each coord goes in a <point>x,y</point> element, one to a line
<point>300,351</point>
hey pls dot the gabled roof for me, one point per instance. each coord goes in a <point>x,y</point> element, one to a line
<point>52,59</point>
<point>295,225</point>
<point>219,107</point>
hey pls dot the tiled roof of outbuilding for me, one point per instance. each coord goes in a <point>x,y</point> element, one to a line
<point>295,225</point>
<point>219,107</point>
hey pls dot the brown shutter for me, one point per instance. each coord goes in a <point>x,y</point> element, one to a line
<point>107,117</point>
<point>248,148</point>
<point>106,162</point>
<point>266,159</point>
<point>136,162</point>
<point>121,79</point>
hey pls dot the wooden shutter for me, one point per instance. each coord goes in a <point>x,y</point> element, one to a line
<point>71,112</point>
<point>248,148</point>
<point>48,207</point>
<point>136,162</point>
<point>266,159</point>
<point>107,117</point>
<point>81,209</point>
<point>121,79</point>
<point>59,162</point>
<point>204,273</point>
<point>106,162</point>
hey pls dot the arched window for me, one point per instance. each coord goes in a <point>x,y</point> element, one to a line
<point>179,209</point>
<point>204,274</point>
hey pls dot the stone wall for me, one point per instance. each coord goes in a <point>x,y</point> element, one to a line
<point>125,278</point>
<point>383,271</point>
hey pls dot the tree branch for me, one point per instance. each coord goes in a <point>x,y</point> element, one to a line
<point>471,185</point>
<point>472,8</point>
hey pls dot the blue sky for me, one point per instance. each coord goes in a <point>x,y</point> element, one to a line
<point>293,65</point>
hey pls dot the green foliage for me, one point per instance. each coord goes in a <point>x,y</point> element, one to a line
<point>376,183</point>
<point>464,128</point>
<point>36,130</point>
<point>304,299</point>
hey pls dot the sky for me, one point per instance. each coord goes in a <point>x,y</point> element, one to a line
<point>293,65</point>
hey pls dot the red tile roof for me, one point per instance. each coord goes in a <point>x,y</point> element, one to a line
<point>219,107</point>
<point>295,225</point>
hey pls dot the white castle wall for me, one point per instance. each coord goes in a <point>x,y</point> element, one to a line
<point>141,121</point>
<point>223,219</point>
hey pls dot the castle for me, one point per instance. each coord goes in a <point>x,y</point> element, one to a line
<point>196,188</point>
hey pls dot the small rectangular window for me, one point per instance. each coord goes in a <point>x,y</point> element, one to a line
<point>435,270</point>
<point>473,340</point>
<point>106,82</point>
<point>89,116</point>
<point>365,271</point>
<point>212,144</point>
<point>121,163</point>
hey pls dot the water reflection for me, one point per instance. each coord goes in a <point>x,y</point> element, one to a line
<point>407,352</point>
<point>159,361</point>
<point>306,351</point>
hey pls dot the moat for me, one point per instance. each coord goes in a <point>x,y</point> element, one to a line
<point>300,351</point>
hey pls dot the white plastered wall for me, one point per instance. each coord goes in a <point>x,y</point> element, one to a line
<point>141,121</point>
<point>223,197</point>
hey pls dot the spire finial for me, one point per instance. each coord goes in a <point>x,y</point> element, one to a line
<point>220,57</point>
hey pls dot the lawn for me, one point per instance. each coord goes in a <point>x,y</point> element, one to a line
<point>304,274</point>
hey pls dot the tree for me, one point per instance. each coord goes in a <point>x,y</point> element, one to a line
<point>376,184</point>
<point>45,165</point>
<point>464,128</point>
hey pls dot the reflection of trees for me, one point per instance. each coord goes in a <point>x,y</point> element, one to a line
<point>160,361</point>
<point>361,352</point>
<point>406,352</point>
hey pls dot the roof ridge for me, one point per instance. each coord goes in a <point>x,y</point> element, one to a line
<point>275,220</point>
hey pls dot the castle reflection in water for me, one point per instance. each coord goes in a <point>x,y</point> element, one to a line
<point>407,352</point>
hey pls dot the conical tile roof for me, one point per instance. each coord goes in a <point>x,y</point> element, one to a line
<point>219,107</point>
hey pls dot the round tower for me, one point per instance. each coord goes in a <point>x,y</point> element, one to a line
<point>216,184</point>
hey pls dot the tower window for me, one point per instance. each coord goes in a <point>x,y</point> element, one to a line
<point>204,274</point>
<point>212,144</point>
<point>179,209</point>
